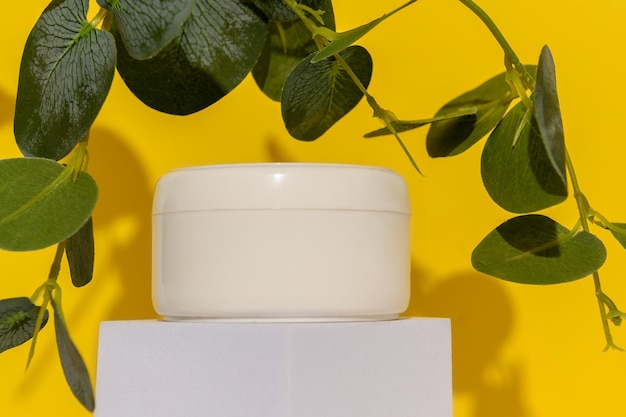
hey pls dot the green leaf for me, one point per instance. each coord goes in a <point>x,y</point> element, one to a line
<point>79,251</point>
<point>456,135</point>
<point>66,72</point>
<point>467,115</point>
<point>286,45</point>
<point>340,41</point>
<point>74,368</point>
<point>534,249</point>
<point>215,49</point>
<point>146,26</point>
<point>17,321</point>
<point>277,10</point>
<point>41,204</point>
<point>516,170</point>
<point>317,95</point>
<point>548,113</point>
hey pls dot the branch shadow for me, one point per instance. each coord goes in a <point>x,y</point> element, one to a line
<point>481,318</point>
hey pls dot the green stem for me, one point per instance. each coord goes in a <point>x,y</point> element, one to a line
<point>380,113</point>
<point>53,275</point>
<point>310,25</point>
<point>98,18</point>
<point>508,51</point>
<point>583,210</point>
<point>604,222</point>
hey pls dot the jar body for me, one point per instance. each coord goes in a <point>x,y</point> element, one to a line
<point>283,263</point>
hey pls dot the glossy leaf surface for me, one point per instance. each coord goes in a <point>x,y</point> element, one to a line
<point>516,170</point>
<point>79,251</point>
<point>146,26</point>
<point>17,321</point>
<point>548,113</point>
<point>286,45</point>
<point>40,204</point>
<point>317,95</point>
<point>216,48</point>
<point>534,249</point>
<point>65,75</point>
<point>74,368</point>
<point>454,136</point>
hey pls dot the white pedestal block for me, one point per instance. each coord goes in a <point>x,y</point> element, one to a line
<point>399,368</point>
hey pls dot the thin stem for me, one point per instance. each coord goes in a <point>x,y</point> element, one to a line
<point>53,275</point>
<point>511,56</point>
<point>384,115</point>
<point>583,210</point>
<point>310,25</point>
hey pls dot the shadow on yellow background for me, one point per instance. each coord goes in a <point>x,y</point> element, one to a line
<point>6,108</point>
<point>482,317</point>
<point>125,192</point>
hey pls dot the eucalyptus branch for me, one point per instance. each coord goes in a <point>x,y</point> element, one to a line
<point>386,116</point>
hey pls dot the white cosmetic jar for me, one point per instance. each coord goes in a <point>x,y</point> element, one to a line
<point>281,241</point>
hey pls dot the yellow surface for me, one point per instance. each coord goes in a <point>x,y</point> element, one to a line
<point>518,351</point>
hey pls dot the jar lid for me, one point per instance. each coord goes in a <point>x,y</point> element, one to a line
<point>281,186</point>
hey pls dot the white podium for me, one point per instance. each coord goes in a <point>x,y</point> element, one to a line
<point>397,368</point>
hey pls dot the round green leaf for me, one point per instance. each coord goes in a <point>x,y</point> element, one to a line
<point>286,45</point>
<point>18,317</point>
<point>41,204</point>
<point>516,170</point>
<point>215,49</point>
<point>317,95</point>
<point>455,135</point>
<point>534,249</point>
<point>548,113</point>
<point>146,26</point>
<point>66,72</point>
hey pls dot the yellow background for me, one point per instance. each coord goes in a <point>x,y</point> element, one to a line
<point>518,351</point>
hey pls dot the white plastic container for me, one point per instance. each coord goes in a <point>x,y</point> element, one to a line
<point>281,242</point>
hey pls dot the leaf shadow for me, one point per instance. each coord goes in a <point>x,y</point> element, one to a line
<point>125,195</point>
<point>482,318</point>
<point>7,107</point>
<point>532,233</point>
